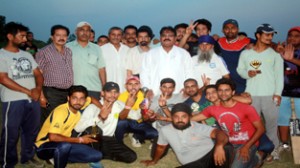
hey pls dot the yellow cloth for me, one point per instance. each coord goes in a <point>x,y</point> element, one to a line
<point>58,124</point>
<point>140,97</point>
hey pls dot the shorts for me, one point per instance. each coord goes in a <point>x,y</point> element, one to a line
<point>285,110</point>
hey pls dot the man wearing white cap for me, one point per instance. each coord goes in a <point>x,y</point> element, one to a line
<point>207,62</point>
<point>88,62</point>
<point>262,68</point>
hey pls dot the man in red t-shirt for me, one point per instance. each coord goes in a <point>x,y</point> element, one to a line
<point>240,121</point>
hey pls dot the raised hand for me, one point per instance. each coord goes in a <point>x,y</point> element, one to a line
<point>288,53</point>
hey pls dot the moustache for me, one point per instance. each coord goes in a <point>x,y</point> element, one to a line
<point>180,123</point>
<point>61,40</point>
<point>167,40</point>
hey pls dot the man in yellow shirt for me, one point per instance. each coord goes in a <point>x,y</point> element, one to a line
<point>54,139</point>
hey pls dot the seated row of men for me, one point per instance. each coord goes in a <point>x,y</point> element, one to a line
<point>230,138</point>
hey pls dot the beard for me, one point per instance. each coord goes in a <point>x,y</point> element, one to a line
<point>181,125</point>
<point>205,56</point>
<point>143,43</point>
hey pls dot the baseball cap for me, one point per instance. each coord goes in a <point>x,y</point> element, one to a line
<point>297,28</point>
<point>108,86</point>
<point>132,78</point>
<point>83,23</point>
<point>181,107</point>
<point>265,28</point>
<point>206,39</point>
<point>231,21</point>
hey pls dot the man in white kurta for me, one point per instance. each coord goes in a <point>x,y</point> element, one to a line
<point>114,54</point>
<point>166,61</point>
<point>207,63</point>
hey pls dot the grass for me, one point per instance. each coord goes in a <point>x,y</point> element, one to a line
<point>169,161</point>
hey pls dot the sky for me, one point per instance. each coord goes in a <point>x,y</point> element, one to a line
<point>41,15</point>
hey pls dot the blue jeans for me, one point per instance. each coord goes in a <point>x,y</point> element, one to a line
<point>64,152</point>
<point>144,129</point>
<point>265,144</point>
<point>238,162</point>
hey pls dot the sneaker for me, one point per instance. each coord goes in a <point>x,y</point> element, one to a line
<point>50,161</point>
<point>33,163</point>
<point>275,154</point>
<point>135,142</point>
<point>150,146</point>
<point>284,147</point>
<point>96,165</point>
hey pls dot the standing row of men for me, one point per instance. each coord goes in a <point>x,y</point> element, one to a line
<point>88,65</point>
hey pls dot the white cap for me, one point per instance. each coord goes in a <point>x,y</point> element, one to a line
<point>83,23</point>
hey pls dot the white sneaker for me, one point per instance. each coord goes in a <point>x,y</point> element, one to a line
<point>275,154</point>
<point>135,143</point>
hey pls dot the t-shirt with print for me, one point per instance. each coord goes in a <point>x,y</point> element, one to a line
<point>19,67</point>
<point>236,121</point>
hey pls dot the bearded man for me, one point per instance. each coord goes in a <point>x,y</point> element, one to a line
<point>207,63</point>
<point>192,142</point>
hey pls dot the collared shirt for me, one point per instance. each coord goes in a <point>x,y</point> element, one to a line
<point>56,66</point>
<point>86,64</point>
<point>115,59</point>
<point>159,64</point>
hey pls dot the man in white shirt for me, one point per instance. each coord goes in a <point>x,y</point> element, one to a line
<point>107,118</point>
<point>136,54</point>
<point>114,54</point>
<point>166,61</point>
<point>207,62</point>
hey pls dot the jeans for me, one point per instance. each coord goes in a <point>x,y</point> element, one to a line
<point>144,129</point>
<point>64,152</point>
<point>238,162</point>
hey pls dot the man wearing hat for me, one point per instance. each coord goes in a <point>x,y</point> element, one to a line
<point>136,54</point>
<point>107,118</point>
<point>262,67</point>
<point>207,63</point>
<point>291,88</point>
<point>230,48</point>
<point>88,62</point>
<point>192,142</point>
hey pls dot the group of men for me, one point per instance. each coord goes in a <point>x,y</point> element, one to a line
<point>152,92</point>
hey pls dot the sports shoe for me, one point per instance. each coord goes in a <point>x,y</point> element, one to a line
<point>284,147</point>
<point>50,161</point>
<point>135,142</point>
<point>96,165</point>
<point>275,154</point>
<point>33,163</point>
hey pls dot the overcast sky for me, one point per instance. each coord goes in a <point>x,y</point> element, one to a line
<point>40,15</point>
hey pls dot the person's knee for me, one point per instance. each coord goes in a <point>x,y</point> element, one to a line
<point>94,156</point>
<point>63,148</point>
<point>122,124</point>
<point>151,134</point>
<point>131,157</point>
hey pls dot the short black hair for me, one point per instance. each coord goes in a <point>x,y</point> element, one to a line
<point>181,25</point>
<point>242,33</point>
<point>190,80</point>
<point>115,28</point>
<point>146,29</point>
<point>167,80</point>
<point>210,87</point>
<point>181,107</point>
<point>77,88</point>
<point>102,36</point>
<point>130,27</point>
<point>226,81</point>
<point>14,28</point>
<point>203,22</point>
<point>165,28</point>
<point>56,27</point>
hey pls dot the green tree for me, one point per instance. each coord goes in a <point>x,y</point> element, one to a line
<point>71,37</point>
